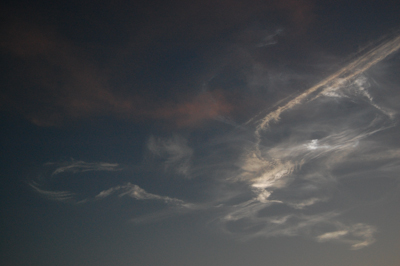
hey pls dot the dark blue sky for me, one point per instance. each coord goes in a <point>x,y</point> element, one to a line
<point>200,133</point>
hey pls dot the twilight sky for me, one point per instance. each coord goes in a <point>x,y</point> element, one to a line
<point>225,132</point>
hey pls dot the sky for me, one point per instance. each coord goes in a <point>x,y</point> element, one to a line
<point>200,132</point>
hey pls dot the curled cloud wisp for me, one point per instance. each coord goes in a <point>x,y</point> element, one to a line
<point>127,190</point>
<point>81,166</point>
<point>65,196</point>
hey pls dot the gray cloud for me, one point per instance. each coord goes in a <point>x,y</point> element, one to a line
<point>175,151</point>
<point>44,183</point>
<point>65,196</point>
<point>43,187</point>
<point>136,192</point>
<point>81,166</point>
<point>357,235</point>
<point>293,167</point>
<point>248,226</point>
<point>335,81</point>
<point>270,39</point>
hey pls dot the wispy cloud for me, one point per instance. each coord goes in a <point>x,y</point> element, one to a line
<point>81,166</point>
<point>289,171</point>
<point>357,235</point>
<point>65,196</point>
<point>176,152</point>
<point>43,184</point>
<point>280,175</point>
<point>136,192</point>
<point>42,187</point>
<point>336,81</point>
<point>56,79</point>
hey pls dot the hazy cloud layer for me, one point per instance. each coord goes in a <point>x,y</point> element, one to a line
<point>55,79</point>
<point>54,83</point>
<point>280,173</point>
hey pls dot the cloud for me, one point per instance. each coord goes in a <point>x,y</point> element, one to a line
<point>55,79</point>
<point>269,39</point>
<point>136,192</point>
<point>335,81</point>
<point>43,185</point>
<point>55,84</point>
<point>65,196</point>
<point>192,112</point>
<point>358,236</point>
<point>246,223</point>
<point>291,169</point>
<point>299,12</point>
<point>282,175</point>
<point>81,166</point>
<point>53,173</point>
<point>52,80</point>
<point>176,152</point>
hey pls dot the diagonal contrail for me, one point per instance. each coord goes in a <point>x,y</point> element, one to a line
<point>348,72</point>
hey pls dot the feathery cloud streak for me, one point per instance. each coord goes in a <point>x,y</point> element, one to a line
<point>335,81</point>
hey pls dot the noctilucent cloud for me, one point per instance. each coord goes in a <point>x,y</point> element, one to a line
<point>200,133</point>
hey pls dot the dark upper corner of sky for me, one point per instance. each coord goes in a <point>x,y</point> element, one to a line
<point>356,22</point>
<point>161,49</point>
<point>175,22</point>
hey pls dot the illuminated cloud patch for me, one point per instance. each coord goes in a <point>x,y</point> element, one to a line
<point>134,191</point>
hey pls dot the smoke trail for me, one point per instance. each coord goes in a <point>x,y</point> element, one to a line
<point>345,74</point>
